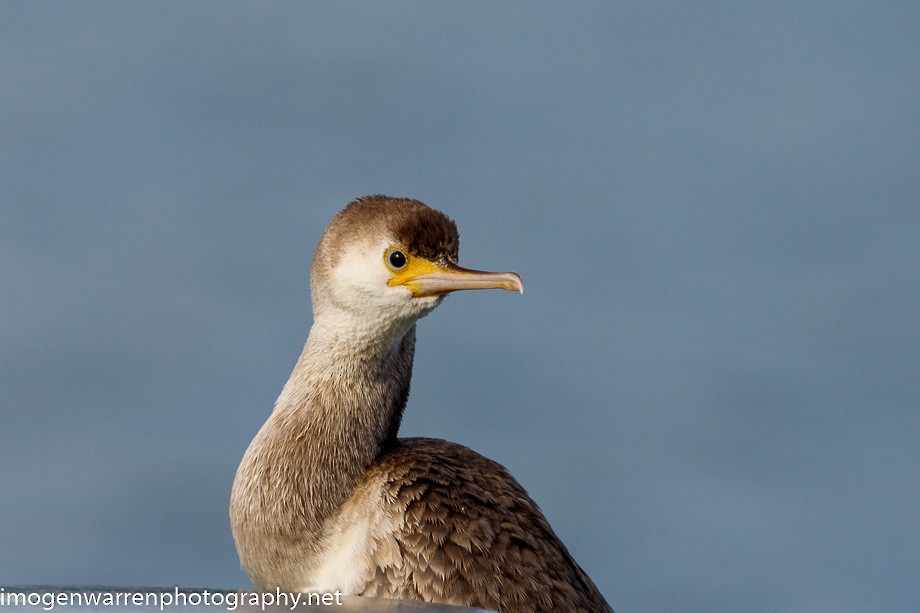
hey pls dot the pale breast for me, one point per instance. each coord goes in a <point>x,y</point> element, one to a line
<point>357,541</point>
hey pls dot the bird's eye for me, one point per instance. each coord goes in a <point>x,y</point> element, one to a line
<point>396,259</point>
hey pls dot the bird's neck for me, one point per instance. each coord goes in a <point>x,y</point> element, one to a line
<point>348,395</point>
<point>340,408</point>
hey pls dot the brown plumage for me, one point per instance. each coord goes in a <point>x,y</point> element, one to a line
<point>327,497</point>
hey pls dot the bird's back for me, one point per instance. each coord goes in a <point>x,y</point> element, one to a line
<point>453,526</point>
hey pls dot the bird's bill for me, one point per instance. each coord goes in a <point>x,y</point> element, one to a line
<point>445,279</point>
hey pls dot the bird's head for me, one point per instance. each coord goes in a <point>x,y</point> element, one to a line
<point>385,262</point>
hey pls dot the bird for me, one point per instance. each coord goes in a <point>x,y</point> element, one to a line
<point>328,497</point>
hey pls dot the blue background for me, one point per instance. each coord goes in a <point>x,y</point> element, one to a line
<point>710,385</point>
